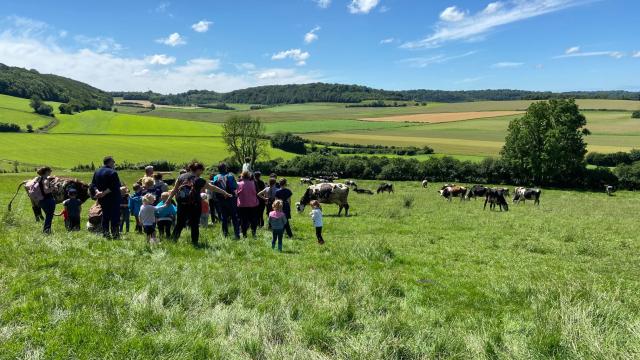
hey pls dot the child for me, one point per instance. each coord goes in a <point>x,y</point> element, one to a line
<point>204,214</point>
<point>316,218</point>
<point>73,208</point>
<point>277,221</point>
<point>135,202</point>
<point>147,217</point>
<point>165,216</point>
<point>247,165</point>
<point>125,215</point>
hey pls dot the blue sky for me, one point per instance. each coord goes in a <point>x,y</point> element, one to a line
<point>173,46</point>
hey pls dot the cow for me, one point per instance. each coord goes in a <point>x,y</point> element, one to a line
<point>60,187</point>
<point>306,180</point>
<point>523,194</point>
<point>476,191</point>
<point>495,196</point>
<point>327,193</point>
<point>449,192</point>
<point>363,191</point>
<point>425,183</point>
<point>388,187</point>
<point>351,183</point>
<point>609,189</point>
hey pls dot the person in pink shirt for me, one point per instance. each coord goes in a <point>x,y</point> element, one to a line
<point>247,204</point>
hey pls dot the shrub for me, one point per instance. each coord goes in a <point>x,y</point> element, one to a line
<point>289,142</point>
<point>4,127</point>
<point>629,176</point>
<point>635,115</point>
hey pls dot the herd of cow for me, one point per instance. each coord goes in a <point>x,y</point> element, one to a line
<point>493,196</point>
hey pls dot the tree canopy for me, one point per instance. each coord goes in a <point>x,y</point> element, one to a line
<point>546,145</point>
<point>244,136</point>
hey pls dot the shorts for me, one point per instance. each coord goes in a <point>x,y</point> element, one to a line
<point>149,229</point>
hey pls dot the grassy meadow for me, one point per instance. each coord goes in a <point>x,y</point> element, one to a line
<point>408,276</point>
<point>17,111</point>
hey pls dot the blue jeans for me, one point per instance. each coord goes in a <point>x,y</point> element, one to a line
<point>229,211</point>
<point>277,235</point>
<point>49,207</point>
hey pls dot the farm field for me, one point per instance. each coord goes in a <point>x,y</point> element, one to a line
<point>15,110</point>
<point>436,118</point>
<point>432,280</point>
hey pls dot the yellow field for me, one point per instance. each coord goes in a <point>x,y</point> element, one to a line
<point>444,117</point>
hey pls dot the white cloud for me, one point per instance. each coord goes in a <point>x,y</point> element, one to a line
<point>323,3</point>
<point>422,62</point>
<point>311,36</point>
<point>506,64</point>
<point>387,41</point>
<point>160,59</point>
<point>572,50</point>
<point>578,53</point>
<point>163,7</point>
<point>493,16</point>
<point>362,6</point>
<point>63,33</point>
<point>636,54</point>
<point>99,44</point>
<point>111,72</point>
<point>470,80</point>
<point>298,55</point>
<point>383,9</point>
<point>174,39</point>
<point>451,14</point>
<point>245,66</point>
<point>201,26</point>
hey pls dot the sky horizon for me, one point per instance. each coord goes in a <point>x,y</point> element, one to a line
<point>171,46</point>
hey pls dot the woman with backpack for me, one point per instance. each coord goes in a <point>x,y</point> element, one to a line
<point>228,207</point>
<point>187,193</point>
<point>268,194</point>
<point>42,190</point>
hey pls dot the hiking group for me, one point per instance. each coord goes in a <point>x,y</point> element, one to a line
<point>238,204</point>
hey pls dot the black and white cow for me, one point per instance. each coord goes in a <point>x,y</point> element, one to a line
<point>328,193</point>
<point>306,180</point>
<point>425,183</point>
<point>476,191</point>
<point>450,191</point>
<point>495,196</point>
<point>523,194</point>
<point>609,189</point>
<point>385,187</point>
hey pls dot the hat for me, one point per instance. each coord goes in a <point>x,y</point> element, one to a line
<point>150,167</point>
<point>72,191</point>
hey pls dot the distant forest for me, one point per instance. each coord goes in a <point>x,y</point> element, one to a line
<point>26,84</point>
<point>322,92</point>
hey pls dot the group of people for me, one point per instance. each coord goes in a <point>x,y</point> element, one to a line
<point>238,203</point>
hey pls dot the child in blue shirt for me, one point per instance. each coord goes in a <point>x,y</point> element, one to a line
<point>135,203</point>
<point>165,216</point>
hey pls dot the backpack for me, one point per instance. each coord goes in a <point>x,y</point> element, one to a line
<point>186,191</point>
<point>35,191</point>
<point>223,183</point>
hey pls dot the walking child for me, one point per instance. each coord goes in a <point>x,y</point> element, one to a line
<point>316,218</point>
<point>204,214</point>
<point>135,203</point>
<point>147,217</point>
<point>165,216</point>
<point>277,221</point>
<point>73,208</point>
<point>125,214</point>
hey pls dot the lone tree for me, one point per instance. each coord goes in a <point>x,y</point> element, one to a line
<point>40,107</point>
<point>635,115</point>
<point>244,136</point>
<point>546,145</point>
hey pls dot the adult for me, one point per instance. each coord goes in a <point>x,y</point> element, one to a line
<point>247,204</point>
<point>187,191</point>
<point>284,194</point>
<point>268,195</point>
<point>106,187</point>
<point>228,206</point>
<point>214,208</point>
<point>260,185</point>
<point>159,183</point>
<point>48,203</point>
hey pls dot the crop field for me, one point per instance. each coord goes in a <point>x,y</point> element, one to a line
<point>436,118</point>
<point>407,276</point>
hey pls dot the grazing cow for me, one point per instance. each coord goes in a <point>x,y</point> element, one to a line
<point>523,194</point>
<point>449,192</point>
<point>388,187</point>
<point>328,193</point>
<point>476,191</point>
<point>609,189</point>
<point>425,183</point>
<point>351,183</point>
<point>306,180</point>
<point>495,196</point>
<point>60,187</point>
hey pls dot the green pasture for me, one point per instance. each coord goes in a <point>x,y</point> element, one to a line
<point>14,110</point>
<point>112,123</point>
<point>301,127</point>
<point>408,276</point>
<point>611,131</point>
<point>68,150</point>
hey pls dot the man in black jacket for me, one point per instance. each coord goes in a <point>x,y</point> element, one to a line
<point>106,185</point>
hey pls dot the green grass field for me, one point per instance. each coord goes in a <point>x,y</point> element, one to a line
<point>15,110</point>
<point>430,281</point>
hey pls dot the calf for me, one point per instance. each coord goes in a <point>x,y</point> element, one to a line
<point>523,194</point>
<point>495,196</point>
<point>388,187</point>
<point>609,189</point>
<point>363,191</point>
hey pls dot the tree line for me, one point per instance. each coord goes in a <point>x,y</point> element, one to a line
<point>19,82</point>
<point>323,92</point>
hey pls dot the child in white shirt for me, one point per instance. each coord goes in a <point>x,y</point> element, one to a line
<point>147,217</point>
<point>316,218</point>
